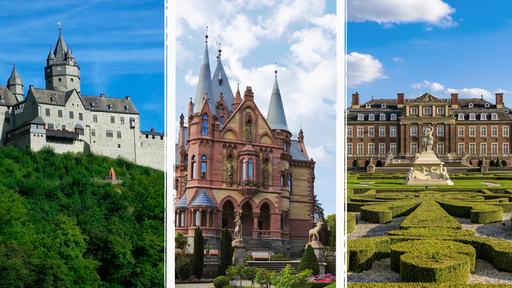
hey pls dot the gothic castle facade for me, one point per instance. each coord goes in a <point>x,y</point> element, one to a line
<point>232,160</point>
<point>61,117</point>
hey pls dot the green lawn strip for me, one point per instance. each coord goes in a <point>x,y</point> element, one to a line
<point>429,215</point>
<point>479,213</point>
<point>350,222</point>
<point>383,213</point>
<point>430,246</point>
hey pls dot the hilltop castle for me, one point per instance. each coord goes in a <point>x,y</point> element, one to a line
<point>61,117</point>
<point>232,159</point>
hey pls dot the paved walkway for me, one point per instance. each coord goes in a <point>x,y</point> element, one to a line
<point>210,285</point>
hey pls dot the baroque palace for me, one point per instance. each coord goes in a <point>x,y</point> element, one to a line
<point>61,117</point>
<point>234,160</point>
<point>465,130</point>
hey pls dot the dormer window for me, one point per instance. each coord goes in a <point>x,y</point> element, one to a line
<point>368,106</point>
<point>483,116</point>
<point>470,105</point>
<point>382,117</point>
<point>383,105</point>
<point>494,116</point>
<point>472,116</point>
<point>126,108</point>
<point>360,117</point>
<point>487,105</point>
<point>52,99</point>
<point>393,117</point>
<point>371,117</point>
<point>461,116</point>
<point>92,105</point>
<point>110,106</point>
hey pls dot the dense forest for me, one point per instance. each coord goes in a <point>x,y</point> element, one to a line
<point>61,226</point>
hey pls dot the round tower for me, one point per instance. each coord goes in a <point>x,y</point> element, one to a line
<point>62,72</point>
<point>15,85</point>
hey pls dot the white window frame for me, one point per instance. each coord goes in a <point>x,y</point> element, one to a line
<point>349,148</point>
<point>414,131</point>
<point>383,105</point>
<point>440,130</point>
<point>505,131</point>
<point>461,129</point>
<point>371,149</point>
<point>505,148</point>
<point>472,148</point>
<point>440,148</point>
<point>487,105</point>
<point>360,149</point>
<point>494,131</point>
<point>382,148</point>
<point>470,105</point>
<point>494,116</point>
<point>472,131</point>
<point>494,148</point>
<point>414,148</point>
<point>461,148</point>
<point>371,117</point>
<point>368,105</point>
<point>393,117</point>
<point>360,117</point>
<point>382,117</point>
<point>371,131</point>
<point>414,110</point>
<point>483,116</point>
<point>472,116</point>
<point>461,116</point>
<point>360,132</point>
<point>392,148</point>
<point>440,111</point>
<point>483,131</point>
<point>349,131</point>
<point>483,148</point>
<point>382,131</point>
<point>392,131</point>
<point>427,111</point>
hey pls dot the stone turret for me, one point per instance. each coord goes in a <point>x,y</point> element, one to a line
<point>15,85</point>
<point>62,72</point>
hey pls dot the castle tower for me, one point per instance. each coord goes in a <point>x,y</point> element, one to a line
<point>15,85</point>
<point>220,85</point>
<point>62,72</point>
<point>204,85</point>
<point>276,118</point>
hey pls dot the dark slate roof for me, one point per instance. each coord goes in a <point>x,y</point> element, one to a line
<point>204,84</point>
<point>6,97</point>
<point>15,78</point>
<point>376,104</point>
<point>502,115</point>
<point>224,87</point>
<point>119,105</point>
<point>353,114</point>
<point>182,202</point>
<point>202,200</point>
<point>295,151</point>
<point>477,104</point>
<point>38,120</point>
<point>276,118</point>
<point>45,96</point>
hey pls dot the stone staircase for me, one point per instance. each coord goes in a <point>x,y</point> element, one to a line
<point>276,266</point>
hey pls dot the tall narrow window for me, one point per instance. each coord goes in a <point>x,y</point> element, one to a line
<point>81,116</point>
<point>461,131</point>
<point>244,169</point>
<point>284,146</point>
<point>71,115</point>
<point>349,148</point>
<point>393,149</point>
<point>414,148</point>
<point>392,132</point>
<point>359,148</point>
<point>349,131</point>
<point>221,121</point>
<point>193,175</point>
<point>505,148</point>
<point>48,112</point>
<point>371,149</point>
<point>483,148</point>
<point>290,183</point>
<point>203,167</point>
<point>95,118</point>
<point>371,132</point>
<point>461,148</point>
<point>204,131</point>
<point>250,169</point>
<point>472,148</point>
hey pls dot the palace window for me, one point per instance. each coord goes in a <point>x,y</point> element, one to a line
<point>48,112</point>
<point>483,131</point>
<point>360,149</point>
<point>95,118</point>
<point>110,133</point>
<point>383,105</point>
<point>472,116</point>
<point>359,131</point>
<point>461,148</point>
<point>440,111</point>
<point>382,148</point>
<point>472,148</point>
<point>393,117</point>
<point>393,149</point>
<point>414,148</point>
<point>426,111</point>
<point>494,148</point>
<point>59,113</point>
<point>71,115</point>
<point>483,148</point>
<point>382,131</point>
<point>371,132</point>
<point>193,174</point>
<point>487,105</point>
<point>203,167</point>
<point>360,117</point>
<point>461,131</point>
<point>382,117</point>
<point>494,131</point>
<point>392,131</point>
<point>472,132</point>
<point>371,149</point>
<point>414,131</point>
<point>461,116</point>
<point>93,132</point>
<point>349,149</point>
<point>494,116</point>
<point>505,148</point>
<point>440,148</point>
<point>349,131</point>
<point>483,116</point>
<point>368,106</point>
<point>204,126</point>
<point>371,117</point>
<point>470,105</point>
<point>505,131</point>
<point>249,170</point>
<point>50,126</point>
<point>440,130</point>
<point>414,110</point>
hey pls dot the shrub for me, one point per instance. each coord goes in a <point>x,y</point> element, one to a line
<point>355,163</point>
<point>287,278</point>
<point>220,282</point>
<point>492,163</point>
<point>182,268</point>
<point>498,163</point>
<point>350,222</point>
<point>226,252</point>
<point>362,252</point>
<point>249,273</point>
<point>379,163</point>
<point>180,241</point>
<point>504,163</point>
<point>198,252</point>
<point>430,214</point>
<point>438,268</point>
<point>263,277</point>
<point>309,261</point>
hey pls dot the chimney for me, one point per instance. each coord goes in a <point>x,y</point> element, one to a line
<point>248,95</point>
<point>128,97</point>
<point>102,95</point>
<point>499,100</point>
<point>355,100</point>
<point>455,100</point>
<point>400,102</point>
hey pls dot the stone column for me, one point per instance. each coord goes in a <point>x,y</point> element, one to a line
<point>255,227</point>
<point>178,219</point>
<point>407,138</point>
<point>420,134</point>
<point>208,218</point>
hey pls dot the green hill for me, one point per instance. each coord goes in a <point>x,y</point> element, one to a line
<point>61,227</point>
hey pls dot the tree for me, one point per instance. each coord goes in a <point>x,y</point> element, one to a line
<point>330,223</point>
<point>355,163</point>
<point>249,273</point>
<point>226,252</point>
<point>180,241</point>
<point>198,253</point>
<point>309,261</point>
<point>498,163</point>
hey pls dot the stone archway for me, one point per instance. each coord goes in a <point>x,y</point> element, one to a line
<point>265,217</point>
<point>247,219</point>
<point>228,215</point>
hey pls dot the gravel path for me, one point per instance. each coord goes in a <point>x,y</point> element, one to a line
<point>381,269</point>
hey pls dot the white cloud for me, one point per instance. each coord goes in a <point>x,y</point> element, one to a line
<point>191,79</point>
<point>312,48</point>
<point>426,84</point>
<point>319,154</point>
<point>476,93</point>
<point>363,68</point>
<point>398,59</point>
<point>328,21</point>
<point>434,12</point>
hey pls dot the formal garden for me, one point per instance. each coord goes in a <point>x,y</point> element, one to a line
<point>425,236</point>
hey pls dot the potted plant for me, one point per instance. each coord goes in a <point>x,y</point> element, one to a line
<point>207,249</point>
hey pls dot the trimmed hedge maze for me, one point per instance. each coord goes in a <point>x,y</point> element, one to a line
<point>430,245</point>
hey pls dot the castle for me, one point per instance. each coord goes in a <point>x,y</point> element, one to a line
<point>61,117</point>
<point>233,160</point>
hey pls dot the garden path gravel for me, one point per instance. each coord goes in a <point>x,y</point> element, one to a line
<point>381,269</point>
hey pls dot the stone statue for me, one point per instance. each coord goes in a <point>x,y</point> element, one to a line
<point>410,174</point>
<point>315,230</point>
<point>266,173</point>
<point>248,133</point>
<point>444,174</point>
<point>230,170</point>
<point>427,140</point>
<point>238,229</point>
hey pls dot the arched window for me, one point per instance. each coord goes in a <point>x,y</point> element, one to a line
<point>221,121</point>
<point>204,131</point>
<point>461,116</point>
<point>290,183</point>
<point>193,175</point>
<point>382,117</point>
<point>203,167</point>
<point>483,116</point>
<point>360,117</point>
<point>284,146</point>
<point>198,218</point>
<point>250,169</point>
<point>371,117</point>
<point>282,181</point>
<point>244,169</point>
<point>393,116</point>
<point>221,107</point>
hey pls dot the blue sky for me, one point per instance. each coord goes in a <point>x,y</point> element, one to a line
<point>439,47</point>
<point>300,35</point>
<point>118,45</point>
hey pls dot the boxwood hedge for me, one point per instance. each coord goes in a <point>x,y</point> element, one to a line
<point>351,222</point>
<point>479,213</point>
<point>383,213</point>
<point>430,214</point>
<point>437,267</point>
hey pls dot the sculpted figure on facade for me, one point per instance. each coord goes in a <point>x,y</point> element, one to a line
<point>230,170</point>
<point>427,140</point>
<point>248,133</point>
<point>238,229</point>
<point>410,174</point>
<point>315,230</point>
<point>444,174</point>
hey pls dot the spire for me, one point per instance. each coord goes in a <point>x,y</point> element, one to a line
<point>276,118</point>
<point>220,84</point>
<point>51,56</point>
<point>204,85</point>
<point>238,97</point>
<point>14,84</point>
<point>60,49</point>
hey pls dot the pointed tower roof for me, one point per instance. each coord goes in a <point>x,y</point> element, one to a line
<point>276,118</point>
<point>238,97</point>
<point>204,84</point>
<point>15,78</point>
<point>51,56</point>
<point>202,199</point>
<point>60,49</point>
<point>220,85</point>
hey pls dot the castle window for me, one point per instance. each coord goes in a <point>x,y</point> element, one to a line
<point>48,112</point>
<point>471,131</point>
<point>60,79</point>
<point>470,105</point>
<point>50,126</point>
<point>440,111</point>
<point>371,132</point>
<point>360,117</point>
<point>494,131</point>
<point>118,145</point>
<point>112,119</point>
<point>392,131</point>
<point>193,174</point>
<point>126,108</point>
<point>93,132</point>
<point>371,117</point>
<point>461,131</point>
<point>282,180</point>
<point>118,134</point>
<point>63,127</point>
<point>249,176</point>
<point>349,131</point>
<point>487,105</point>
<point>204,130</point>
<point>383,105</point>
<point>71,115</point>
<point>110,133</point>
<point>393,117</point>
<point>461,116</point>
<point>483,116</point>
<point>290,183</point>
<point>472,116</point>
<point>122,120</point>
<point>221,107</point>
<point>505,131</point>
<point>494,116</point>
<point>80,116</point>
<point>483,131</point>
<point>244,169</point>
<point>203,167</point>
<point>359,131</point>
<point>426,111</point>
<point>59,113</point>
<point>382,117</point>
<point>284,146</point>
<point>71,79</point>
<point>95,118</point>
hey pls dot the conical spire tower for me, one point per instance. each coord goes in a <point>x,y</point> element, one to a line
<point>220,85</point>
<point>61,72</point>
<point>15,85</point>
<point>275,116</point>
<point>204,85</point>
